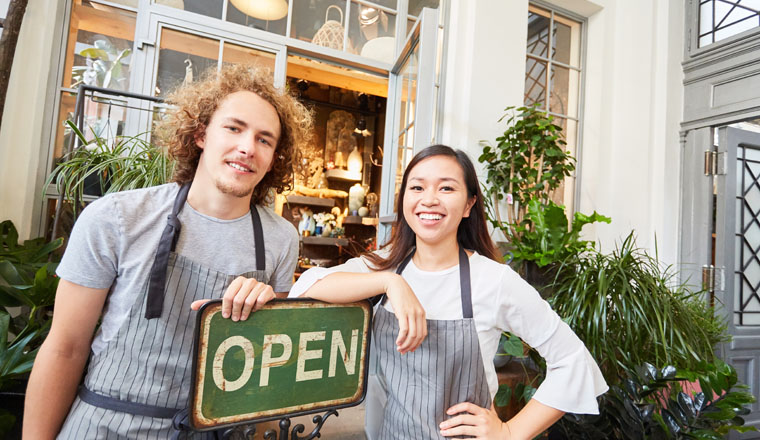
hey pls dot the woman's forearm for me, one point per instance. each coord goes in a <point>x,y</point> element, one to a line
<point>532,420</point>
<point>345,287</point>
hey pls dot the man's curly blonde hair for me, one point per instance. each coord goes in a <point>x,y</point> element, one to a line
<point>195,104</point>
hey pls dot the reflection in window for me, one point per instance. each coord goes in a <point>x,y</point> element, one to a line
<point>209,8</point>
<point>182,58</point>
<point>720,19</point>
<point>372,32</point>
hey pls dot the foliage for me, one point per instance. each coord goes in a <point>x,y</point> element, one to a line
<point>130,163</point>
<point>628,310</point>
<point>549,240</point>
<point>27,280</point>
<point>528,162</point>
<point>652,403</point>
<point>513,346</point>
<point>104,66</point>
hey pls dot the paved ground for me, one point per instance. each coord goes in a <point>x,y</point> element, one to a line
<point>349,425</point>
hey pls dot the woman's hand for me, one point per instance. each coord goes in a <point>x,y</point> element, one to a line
<point>408,311</point>
<point>243,296</point>
<point>474,421</point>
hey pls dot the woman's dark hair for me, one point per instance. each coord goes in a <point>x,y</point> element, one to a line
<point>472,232</point>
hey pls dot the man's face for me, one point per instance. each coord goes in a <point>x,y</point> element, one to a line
<point>239,144</point>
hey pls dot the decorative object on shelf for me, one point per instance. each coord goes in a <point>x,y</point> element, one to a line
<point>355,199</point>
<point>338,232</point>
<point>331,33</point>
<point>363,211</point>
<point>309,160</point>
<point>269,10</point>
<point>338,139</point>
<point>361,127</point>
<point>355,161</point>
<point>307,225</point>
<point>322,192</point>
<point>188,72</point>
<point>372,200</point>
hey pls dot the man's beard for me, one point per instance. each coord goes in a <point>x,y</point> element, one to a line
<point>234,190</point>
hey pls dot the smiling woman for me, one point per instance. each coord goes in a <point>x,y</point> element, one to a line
<point>440,264</point>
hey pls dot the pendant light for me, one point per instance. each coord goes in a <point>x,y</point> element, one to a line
<point>269,10</point>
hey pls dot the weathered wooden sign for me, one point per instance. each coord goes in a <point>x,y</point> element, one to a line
<point>294,356</point>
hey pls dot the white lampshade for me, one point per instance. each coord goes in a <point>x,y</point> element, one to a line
<point>262,9</point>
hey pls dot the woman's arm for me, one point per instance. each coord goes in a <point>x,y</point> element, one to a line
<point>344,287</point>
<point>484,424</point>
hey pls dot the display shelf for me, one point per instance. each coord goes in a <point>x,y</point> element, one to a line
<point>312,201</point>
<point>357,220</point>
<point>325,241</point>
<point>338,174</point>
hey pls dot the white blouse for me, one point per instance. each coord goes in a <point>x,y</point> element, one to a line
<point>501,301</point>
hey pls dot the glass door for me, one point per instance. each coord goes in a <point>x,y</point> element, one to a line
<point>410,111</point>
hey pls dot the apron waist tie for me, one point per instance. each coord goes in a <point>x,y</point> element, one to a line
<point>180,421</point>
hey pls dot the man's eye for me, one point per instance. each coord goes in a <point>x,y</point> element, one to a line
<point>233,129</point>
<point>265,141</point>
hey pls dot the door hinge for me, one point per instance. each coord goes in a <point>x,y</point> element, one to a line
<point>712,278</point>
<point>715,163</point>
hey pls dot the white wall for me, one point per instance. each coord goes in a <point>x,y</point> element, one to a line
<point>629,162</point>
<point>25,114</point>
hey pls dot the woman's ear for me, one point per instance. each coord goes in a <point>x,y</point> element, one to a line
<point>468,206</point>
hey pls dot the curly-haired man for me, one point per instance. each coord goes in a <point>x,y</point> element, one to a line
<point>140,260</point>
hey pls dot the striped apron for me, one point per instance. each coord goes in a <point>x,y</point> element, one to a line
<point>141,379</point>
<point>445,370</point>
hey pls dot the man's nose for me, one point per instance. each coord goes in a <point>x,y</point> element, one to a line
<point>248,145</point>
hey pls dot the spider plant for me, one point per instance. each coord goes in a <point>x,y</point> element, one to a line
<point>127,162</point>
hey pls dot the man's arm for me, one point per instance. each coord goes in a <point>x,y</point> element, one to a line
<point>60,362</point>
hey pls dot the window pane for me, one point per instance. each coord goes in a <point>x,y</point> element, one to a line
<point>535,82</point>
<point>538,35</point>
<point>564,91</point>
<point>371,32</point>
<point>99,46</point>
<point>183,57</point>
<point>705,18</point>
<point>209,8</point>
<point>270,15</point>
<point>324,20</point>
<point>720,19</point>
<point>415,6</point>
<point>235,54</point>
<point>129,3</point>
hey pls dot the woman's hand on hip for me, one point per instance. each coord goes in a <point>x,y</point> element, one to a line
<point>409,312</point>
<point>470,419</point>
<point>243,296</point>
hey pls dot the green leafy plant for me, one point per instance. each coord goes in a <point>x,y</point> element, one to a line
<point>129,162</point>
<point>657,404</point>
<point>514,347</point>
<point>629,310</point>
<point>28,284</point>
<point>550,240</point>
<point>528,162</point>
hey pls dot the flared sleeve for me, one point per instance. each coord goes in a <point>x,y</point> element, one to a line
<point>573,379</point>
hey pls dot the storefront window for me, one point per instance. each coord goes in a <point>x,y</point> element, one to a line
<point>720,19</point>
<point>553,76</point>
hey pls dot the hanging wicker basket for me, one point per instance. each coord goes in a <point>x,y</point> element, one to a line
<point>331,33</point>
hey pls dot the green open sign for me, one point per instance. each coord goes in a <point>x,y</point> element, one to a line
<point>293,356</point>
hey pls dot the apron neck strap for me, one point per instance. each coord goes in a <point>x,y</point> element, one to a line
<point>168,243</point>
<point>465,289</point>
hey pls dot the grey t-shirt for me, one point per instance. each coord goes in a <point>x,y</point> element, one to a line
<point>114,241</point>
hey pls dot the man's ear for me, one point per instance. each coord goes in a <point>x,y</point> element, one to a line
<point>200,137</point>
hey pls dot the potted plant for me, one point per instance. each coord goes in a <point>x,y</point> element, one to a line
<point>27,292</point>
<point>127,162</point>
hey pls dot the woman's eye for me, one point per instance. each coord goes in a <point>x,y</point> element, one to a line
<point>447,188</point>
<point>415,188</point>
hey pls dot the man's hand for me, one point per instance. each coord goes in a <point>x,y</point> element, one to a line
<point>408,311</point>
<point>474,421</point>
<point>243,296</point>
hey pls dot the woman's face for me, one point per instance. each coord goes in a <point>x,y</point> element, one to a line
<point>436,199</point>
